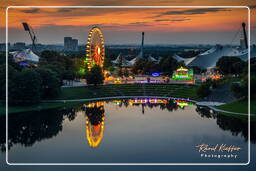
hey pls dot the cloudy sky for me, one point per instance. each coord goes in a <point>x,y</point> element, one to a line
<point>122,25</point>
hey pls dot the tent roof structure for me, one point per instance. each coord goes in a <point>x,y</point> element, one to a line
<point>25,55</point>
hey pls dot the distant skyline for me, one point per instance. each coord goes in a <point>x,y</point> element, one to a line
<point>124,26</point>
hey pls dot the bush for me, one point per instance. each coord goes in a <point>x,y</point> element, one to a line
<point>253,87</point>
<point>240,90</point>
<point>237,90</point>
<point>203,90</point>
<point>95,76</point>
<point>2,81</point>
<point>50,85</point>
<point>24,88</point>
<point>231,65</point>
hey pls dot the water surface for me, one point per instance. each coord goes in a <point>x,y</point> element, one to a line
<point>124,131</point>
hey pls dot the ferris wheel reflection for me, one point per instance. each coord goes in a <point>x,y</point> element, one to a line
<point>94,126</point>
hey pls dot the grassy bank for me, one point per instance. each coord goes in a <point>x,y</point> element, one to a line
<point>245,118</point>
<point>166,90</point>
<point>41,106</point>
<point>240,106</point>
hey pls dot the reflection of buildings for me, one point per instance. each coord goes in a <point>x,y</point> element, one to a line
<point>168,104</point>
<point>94,123</point>
<point>183,103</point>
<point>148,101</point>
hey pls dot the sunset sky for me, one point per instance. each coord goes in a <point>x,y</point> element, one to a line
<point>120,26</point>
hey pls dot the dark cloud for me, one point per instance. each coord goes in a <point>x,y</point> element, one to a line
<point>32,11</point>
<point>136,23</point>
<point>172,20</point>
<point>67,9</point>
<point>192,11</point>
<point>252,6</point>
<point>64,10</point>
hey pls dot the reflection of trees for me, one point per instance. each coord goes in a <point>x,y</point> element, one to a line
<point>168,105</point>
<point>165,104</point>
<point>171,106</point>
<point>205,112</point>
<point>30,127</point>
<point>235,125</point>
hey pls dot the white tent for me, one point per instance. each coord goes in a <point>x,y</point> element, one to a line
<point>185,60</point>
<point>152,59</point>
<point>121,60</point>
<point>209,58</point>
<point>25,55</point>
<point>137,58</point>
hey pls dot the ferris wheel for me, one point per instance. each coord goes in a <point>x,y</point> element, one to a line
<point>95,50</point>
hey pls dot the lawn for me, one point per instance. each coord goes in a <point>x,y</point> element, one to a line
<point>41,106</point>
<point>166,90</point>
<point>240,106</point>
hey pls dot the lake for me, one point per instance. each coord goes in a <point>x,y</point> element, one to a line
<point>127,131</point>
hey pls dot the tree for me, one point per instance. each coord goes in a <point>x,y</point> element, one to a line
<point>95,76</point>
<point>196,69</point>
<point>145,67</point>
<point>253,66</point>
<point>137,68</point>
<point>25,88</point>
<point>57,68</point>
<point>253,87</point>
<point>120,72</point>
<point>11,61</point>
<point>107,62</point>
<point>203,90</point>
<point>230,65</point>
<point>50,85</point>
<point>69,75</point>
<point>168,65</point>
<point>126,72</point>
<point>150,67</point>
<point>49,56</point>
<point>2,81</point>
<point>63,65</point>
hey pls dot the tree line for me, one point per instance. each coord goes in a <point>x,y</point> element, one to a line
<point>28,85</point>
<point>233,67</point>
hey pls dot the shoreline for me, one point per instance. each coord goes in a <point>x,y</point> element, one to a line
<point>71,96</point>
<point>71,102</point>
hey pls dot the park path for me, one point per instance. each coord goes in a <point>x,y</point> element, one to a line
<point>224,111</point>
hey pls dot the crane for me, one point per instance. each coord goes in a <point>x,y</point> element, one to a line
<point>245,36</point>
<point>31,34</point>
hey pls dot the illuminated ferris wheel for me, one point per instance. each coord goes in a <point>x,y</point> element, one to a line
<point>95,50</point>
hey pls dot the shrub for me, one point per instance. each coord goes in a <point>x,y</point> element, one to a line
<point>24,88</point>
<point>95,76</point>
<point>203,90</point>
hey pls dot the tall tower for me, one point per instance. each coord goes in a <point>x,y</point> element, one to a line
<point>142,45</point>
<point>245,37</point>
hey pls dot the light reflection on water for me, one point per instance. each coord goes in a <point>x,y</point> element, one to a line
<point>134,130</point>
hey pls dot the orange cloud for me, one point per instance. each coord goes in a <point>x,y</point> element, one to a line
<point>122,19</point>
<point>203,19</point>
